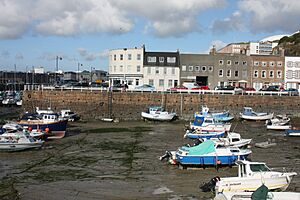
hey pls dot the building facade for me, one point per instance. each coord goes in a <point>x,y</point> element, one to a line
<point>292,72</point>
<point>161,69</point>
<point>266,70</point>
<point>126,66</point>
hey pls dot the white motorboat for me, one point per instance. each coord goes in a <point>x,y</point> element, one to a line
<point>261,193</point>
<point>232,139</point>
<point>158,113</point>
<point>18,142</point>
<point>251,175</point>
<point>280,122</point>
<point>12,129</point>
<point>249,114</point>
<point>69,115</point>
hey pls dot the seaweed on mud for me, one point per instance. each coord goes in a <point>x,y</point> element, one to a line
<point>8,190</point>
<point>112,130</point>
<point>72,161</point>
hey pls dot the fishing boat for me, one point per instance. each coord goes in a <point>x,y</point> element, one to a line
<point>196,134</point>
<point>280,122</point>
<point>261,193</point>
<point>209,124</point>
<point>223,116</point>
<point>49,123</point>
<point>293,132</point>
<point>249,114</point>
<point>158,113</point>
<point>209,154</point>
<point>19,142</point>
<point>232,139</point>
<point>251,175</point>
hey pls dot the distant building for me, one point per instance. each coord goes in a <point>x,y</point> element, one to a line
<point>38,70</point>
<point>292,72</point>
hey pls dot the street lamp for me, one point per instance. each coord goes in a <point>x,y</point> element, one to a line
<point>79,64</point>
<point>56,59</point>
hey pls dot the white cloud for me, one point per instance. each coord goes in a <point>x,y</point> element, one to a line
<point>74,17</point>
<point>232,23</point>
<point>218,44</point>
<point>90,56</point>
<point>272,15</point>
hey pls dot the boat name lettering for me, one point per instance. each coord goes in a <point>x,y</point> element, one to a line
<point>235,183</point>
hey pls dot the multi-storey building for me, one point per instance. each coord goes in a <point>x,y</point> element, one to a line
<point>250,48</point>
<point>126,66</point>
<point>266,70</point>
<point>161,69</point>
<point>215,69</point>
<point>236,48</point>
<point>292,72</point>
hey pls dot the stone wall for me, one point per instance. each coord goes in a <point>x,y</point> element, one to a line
<point>127,106</point>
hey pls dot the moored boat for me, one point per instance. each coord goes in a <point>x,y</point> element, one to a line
<point>223,116</point>
<point>158,113</point>
<point>209,124</point>
<point>249,114</point>
<point>251,175</point>
<point>232,139</point>
<point>195,134</point>
<point>280,122</point>
<point>293,132</point>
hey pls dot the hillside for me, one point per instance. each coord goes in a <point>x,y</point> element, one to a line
<point>291,44</point>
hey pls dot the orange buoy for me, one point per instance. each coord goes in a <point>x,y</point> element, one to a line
<point>30,129</point>
<point>47,130</point>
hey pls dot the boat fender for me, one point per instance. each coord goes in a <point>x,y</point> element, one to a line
<point>29,96</point>
<point>47,130</point>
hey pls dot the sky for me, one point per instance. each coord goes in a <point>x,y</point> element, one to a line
<point>33,33</point>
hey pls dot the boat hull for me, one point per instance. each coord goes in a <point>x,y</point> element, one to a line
<point>278,127</point>
<point>56,129</point>
<point>256,117</point>
<point>206,135</point>
<point>292,133</point>
<point>212,127</point>
<point>158,117</point>
<point>20,146</point>
<point>248,195</point>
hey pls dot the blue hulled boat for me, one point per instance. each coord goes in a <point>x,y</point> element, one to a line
<point>208,153</point>
<point>203,134</point>
<point>208,123</point>
<point>223,116</point>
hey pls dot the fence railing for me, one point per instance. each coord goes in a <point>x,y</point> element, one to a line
<point>213,92</point>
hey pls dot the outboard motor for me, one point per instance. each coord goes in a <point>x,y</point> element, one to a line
<point>167,155</point>
<point>210,186</point>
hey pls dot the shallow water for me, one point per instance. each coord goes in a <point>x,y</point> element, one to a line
<point>99,160</point>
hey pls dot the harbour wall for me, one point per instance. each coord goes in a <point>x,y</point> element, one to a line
<point>128,106</point>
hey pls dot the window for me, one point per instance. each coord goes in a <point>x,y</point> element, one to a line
<point>161,82</point>
<point>271,74</point>
<point>279,64</point>
<point>151,82</point>
<point>236,62</point>
<point>221,73</point>
<point>263,74</point>
<point>173,71</point>
<point>151,59</point>
<point>138,68</point>
<point>228,74</point>
<point>203,68</point>
<point>264,64</point>
<point>171,59</point>
<point>156,70</point>
<point>221,62</point>
<point>272,64</point>
<point>129,56</point>
<point>115,57</point>
<point>228,62</point>
<point>279,74</point>
<point>137,81</point>
<point>236,73</point>
<point>170,83</point>
<point>149,70</point>
<point>197,68</point>
<point>244,62</point>
<point>165,70</point>
<point>255,74</point>
<point>256,63</point>
<point>190,68</point>
<point>121,68</point>
<point>161,59</point>
<point>211,68</point>
<point>183,68</point>
<point>121,56</point>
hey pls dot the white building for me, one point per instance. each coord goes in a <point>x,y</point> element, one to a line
<point>262,48</point>
<point>126,66</point>
<point>292,72</point>
<point>38,70</point>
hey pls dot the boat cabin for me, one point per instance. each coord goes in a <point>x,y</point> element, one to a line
<point>155,109</point>
<point>247,111</point>
<point>248,169</point>
<point>50,117</point>
<point>234,137</point>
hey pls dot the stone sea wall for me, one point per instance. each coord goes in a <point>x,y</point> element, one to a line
<point>128,106</point>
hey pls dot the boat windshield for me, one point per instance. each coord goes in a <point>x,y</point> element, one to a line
<point>259,168</point>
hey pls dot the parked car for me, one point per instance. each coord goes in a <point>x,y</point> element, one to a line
<point>292,92</point>
<point>273,88</point>
<point>249,89</point>
<point>203,87</point>
<point>145,88</point>
<point>177,88</point>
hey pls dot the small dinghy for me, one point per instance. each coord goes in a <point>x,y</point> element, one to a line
<point>280,122</point>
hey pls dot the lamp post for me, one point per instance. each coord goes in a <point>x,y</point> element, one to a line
<point>92,74</point>
<point>56,59</point>
<point>78,66</point>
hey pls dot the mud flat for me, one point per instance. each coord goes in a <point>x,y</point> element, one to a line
<point>99,160</point>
